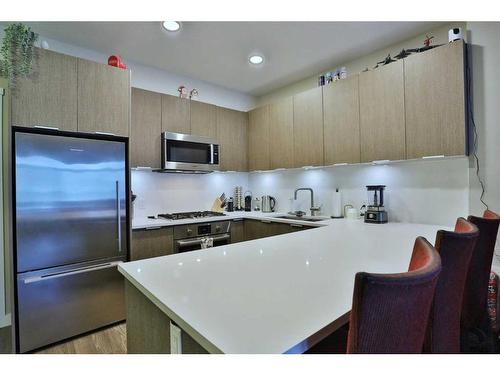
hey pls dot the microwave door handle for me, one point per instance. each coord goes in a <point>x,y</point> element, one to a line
<point>211,153</point>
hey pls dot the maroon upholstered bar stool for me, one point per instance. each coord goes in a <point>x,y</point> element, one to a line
<point>455,249</point>
<point>390,311</point>
<point>474,319</point>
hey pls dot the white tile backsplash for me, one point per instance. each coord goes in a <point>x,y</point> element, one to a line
<point>168,192</point>
<point>430,191</point>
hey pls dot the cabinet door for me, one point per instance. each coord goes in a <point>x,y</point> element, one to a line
<point>145,130</point>
<point>258,139</point>
<point>308,128</point>
<point>382,113</point>
<point>103,98</point>
<point>175,114</point>
<point>49,97</point>
<point>237,231</point>
<point>203,119</point>
<point>281,134</point>
<point>232,134</point>
<point>149,243</point>
<point>255,229</point>
<point>435,102</point>
<point>341,121</point>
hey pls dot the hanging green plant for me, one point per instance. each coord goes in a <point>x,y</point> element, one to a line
<point>17,53</point>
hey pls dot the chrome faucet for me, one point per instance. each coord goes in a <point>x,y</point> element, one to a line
<point>313,209</point>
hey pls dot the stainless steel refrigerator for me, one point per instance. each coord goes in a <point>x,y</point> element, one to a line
<point>70,210</point>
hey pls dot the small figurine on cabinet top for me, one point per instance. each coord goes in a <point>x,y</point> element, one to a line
<point>183,92</point>
<point>193,93</point>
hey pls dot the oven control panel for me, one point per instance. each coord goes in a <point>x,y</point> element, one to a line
<point>201,229</point>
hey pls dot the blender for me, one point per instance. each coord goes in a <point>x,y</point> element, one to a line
<point>375,212</point>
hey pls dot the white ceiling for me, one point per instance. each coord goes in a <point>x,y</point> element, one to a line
<point>217,52</point>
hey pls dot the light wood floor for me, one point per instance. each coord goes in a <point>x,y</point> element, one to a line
<point>111,340</point>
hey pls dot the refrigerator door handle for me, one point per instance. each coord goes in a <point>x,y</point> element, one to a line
<point>118,217</point>
<point>36,279</point>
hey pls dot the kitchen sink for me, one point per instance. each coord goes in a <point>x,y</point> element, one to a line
<point>303,218</point>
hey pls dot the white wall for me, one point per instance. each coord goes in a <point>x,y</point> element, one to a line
<point>154,79</point>
<point>484,38</point>
<point>166,192</point>
<point>432,191</point>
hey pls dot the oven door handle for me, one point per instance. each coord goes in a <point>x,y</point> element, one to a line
<point>196,241</point>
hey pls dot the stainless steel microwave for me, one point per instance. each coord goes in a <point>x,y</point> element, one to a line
<point>184,152</point>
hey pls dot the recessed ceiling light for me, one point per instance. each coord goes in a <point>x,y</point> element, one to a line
<point>256,59</point>
<point>171,25</point>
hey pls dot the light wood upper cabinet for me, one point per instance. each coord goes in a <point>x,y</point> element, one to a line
<point>281,134</point>
<point>435,102</point>
<point>103,98</point>
<point>203,119</point>
<point>308,128</point>
<point>258,139</point>
<point>49,97</point>
<point>341,121</point>
<point>145,130</point>
<point>175,114</point>
<point>382,113</point>
<point>232,134</point>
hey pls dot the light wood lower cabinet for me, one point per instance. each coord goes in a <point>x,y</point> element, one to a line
<point>258,139</point>
<point>149,243</point>
<point>382,113</point>
<point>145,130</point>
<point>232,134</point>
<point>175,114</point>
<point>203,119</point>
<point>341,121</point>
<point>49,96</point>
<point>281,134</point>
<point>308,128</point>
<point>103,98</point>
<point>435,102</point>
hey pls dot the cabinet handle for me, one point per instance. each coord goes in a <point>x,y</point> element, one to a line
<point>381,162</point>
<point>152,228</point>
<point>104,133</point>
<point>266,221</point>
<point>296,225</point>
<point>46,127</point>
<point>239,219</point>
<point>433,157</point>
<point>140,167</point>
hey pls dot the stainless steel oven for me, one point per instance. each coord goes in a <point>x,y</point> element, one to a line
<point>184,152</point>
<point>190,237</point>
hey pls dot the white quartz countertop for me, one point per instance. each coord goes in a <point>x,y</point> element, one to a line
<point>272,295</point>
<point>143,222</point>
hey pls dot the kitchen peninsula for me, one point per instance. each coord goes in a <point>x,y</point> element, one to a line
<point>280,294</point>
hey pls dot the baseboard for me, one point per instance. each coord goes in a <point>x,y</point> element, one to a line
<point>5,320</point>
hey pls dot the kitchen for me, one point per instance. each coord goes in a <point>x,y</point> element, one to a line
<point>206,208</point>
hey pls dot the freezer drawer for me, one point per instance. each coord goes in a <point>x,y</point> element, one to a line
<point>56,305</point>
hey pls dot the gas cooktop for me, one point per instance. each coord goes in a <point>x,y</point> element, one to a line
<point>190,215</point>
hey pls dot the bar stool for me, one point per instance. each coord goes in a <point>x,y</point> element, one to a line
<point>455,249</point>
<point>474,319</point>
<point>390,311</point>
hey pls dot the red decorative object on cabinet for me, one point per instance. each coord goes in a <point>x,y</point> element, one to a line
<point>116,61</point>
